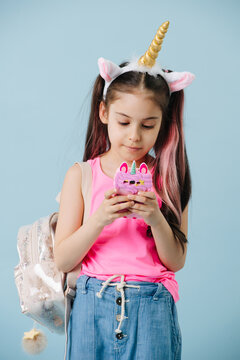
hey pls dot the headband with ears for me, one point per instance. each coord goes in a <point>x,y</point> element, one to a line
<point>176,80</point>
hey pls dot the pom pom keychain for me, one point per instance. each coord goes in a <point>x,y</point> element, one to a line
<point>34,341</point>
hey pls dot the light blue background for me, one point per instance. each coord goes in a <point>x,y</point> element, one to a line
<point>48,63</point>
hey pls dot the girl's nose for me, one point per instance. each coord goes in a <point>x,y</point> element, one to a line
<point>134,135</point>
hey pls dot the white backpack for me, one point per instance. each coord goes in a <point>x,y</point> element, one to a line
<point>47,294</point>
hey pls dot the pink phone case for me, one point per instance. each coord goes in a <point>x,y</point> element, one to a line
<point>131,181</point>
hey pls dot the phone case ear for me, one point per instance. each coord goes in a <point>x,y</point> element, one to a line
<point>143,168</point>
<point>179,80</point>
<point>108,69</point>
<point>124,167</point>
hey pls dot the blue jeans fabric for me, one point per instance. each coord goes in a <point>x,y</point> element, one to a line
<point>150,330</point>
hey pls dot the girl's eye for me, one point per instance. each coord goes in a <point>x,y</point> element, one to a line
<point>146,127</point>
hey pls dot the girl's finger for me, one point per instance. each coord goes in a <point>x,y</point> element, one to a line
<point>108,194</point>
<point>148,194</point>
<point>139,211</point>
<point>137,198</point>
<point>141,197</point>
<point>124,205</point>
<point>119,198</point>
<point>121,214</point>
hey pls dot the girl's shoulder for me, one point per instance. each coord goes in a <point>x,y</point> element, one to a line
<point>75,169</point>
<point>82,172</point>
<point>77,165</point>
<point>73,177</point>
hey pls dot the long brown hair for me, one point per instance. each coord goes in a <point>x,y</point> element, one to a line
<point>170,162</point>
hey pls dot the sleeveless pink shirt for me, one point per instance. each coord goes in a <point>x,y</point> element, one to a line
<point>123,246</point>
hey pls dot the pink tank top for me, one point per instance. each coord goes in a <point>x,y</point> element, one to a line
<point>123,246</point>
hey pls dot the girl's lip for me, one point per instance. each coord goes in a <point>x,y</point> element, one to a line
<point>133,148</point>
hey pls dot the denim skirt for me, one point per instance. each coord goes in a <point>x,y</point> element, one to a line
<point>123,321</point>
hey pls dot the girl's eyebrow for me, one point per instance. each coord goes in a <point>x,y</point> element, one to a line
<point>149,118</point>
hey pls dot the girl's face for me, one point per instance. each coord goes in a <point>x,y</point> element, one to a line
<point>133,121</point>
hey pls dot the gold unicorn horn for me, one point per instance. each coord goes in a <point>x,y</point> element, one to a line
<point>149,58</point>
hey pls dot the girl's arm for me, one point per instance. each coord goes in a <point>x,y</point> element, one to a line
<point>73,241</point>
<point>169,250</point>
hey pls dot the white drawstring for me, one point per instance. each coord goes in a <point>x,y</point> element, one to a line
<point>120,287</point>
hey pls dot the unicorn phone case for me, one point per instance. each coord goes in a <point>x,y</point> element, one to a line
<point>131,181</point>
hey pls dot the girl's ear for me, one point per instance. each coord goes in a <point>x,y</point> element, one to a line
<point>103,113</point>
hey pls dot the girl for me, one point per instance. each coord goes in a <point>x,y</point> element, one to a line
<point>126,290</point>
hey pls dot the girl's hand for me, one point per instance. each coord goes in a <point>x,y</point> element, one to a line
<point>148,207</point>
<point>108,210</point>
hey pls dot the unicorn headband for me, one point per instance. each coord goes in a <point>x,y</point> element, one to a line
<point>147,63</point>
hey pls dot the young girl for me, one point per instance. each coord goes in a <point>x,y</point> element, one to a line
<point>126,290</point>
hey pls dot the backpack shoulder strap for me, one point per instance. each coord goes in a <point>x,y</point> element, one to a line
<point>87,193</point>
<point>86,187</point>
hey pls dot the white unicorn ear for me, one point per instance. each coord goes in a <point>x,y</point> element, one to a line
<point>108,70</point>
<point>179,80</point>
